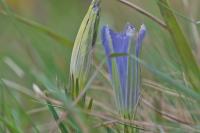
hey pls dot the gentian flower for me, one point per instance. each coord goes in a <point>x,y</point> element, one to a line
<point>124,71</point>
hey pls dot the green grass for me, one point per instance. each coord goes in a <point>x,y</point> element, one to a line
<point>36,41</point>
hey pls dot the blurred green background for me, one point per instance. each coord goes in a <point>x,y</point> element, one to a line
<point>29,56</point>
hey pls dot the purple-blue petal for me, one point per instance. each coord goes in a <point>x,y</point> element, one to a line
<point>105,37</point>
<point>120,43</point>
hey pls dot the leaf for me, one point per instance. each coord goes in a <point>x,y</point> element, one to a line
<point>80,66</point>
<point>188,61</point>
<point>118,54</point>
<point>56,117</point>
<point>90,104</point>
<point>10,127</point>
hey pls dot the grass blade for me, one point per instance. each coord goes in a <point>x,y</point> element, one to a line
<point>56,117</point>
<point>10,127</point>
<point>188,61</point>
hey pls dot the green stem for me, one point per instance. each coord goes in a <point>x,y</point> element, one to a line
<point>146,13</point>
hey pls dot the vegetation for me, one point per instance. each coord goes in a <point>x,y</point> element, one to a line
<point>57,76</point>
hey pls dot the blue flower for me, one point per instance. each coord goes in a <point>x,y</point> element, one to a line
<point>128,69</point>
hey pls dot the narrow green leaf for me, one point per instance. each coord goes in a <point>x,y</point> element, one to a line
<point>188,61</point>
<point>118,55</point>
<point>56,117</point>
<point>90,104</point>
<point>10,127</point>
<point>117,87</point>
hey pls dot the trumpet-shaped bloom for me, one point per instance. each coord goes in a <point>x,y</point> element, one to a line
<point>127,69</point>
